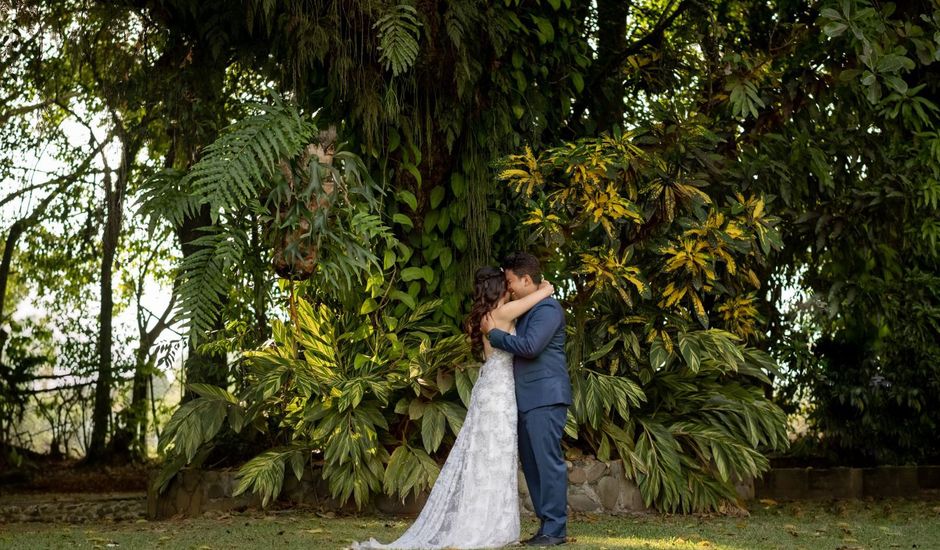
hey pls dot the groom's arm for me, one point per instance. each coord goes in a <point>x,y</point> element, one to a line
<point>542,323</point>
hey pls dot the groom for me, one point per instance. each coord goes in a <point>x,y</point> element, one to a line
<point>543,394</point>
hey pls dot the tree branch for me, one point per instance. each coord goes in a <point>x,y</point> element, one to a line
<point>616,61</point>
<point>35,391</point>
<point>20,192</point>
<point>25,109</point>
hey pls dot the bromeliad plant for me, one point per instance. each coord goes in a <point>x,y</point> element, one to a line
<point>366,395</point>
<point>659,272</point>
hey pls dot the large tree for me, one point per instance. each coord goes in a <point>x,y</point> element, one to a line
<point>666,135</point>
<point>435,97</point>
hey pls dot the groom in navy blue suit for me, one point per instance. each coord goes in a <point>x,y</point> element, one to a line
<point>543,394</point>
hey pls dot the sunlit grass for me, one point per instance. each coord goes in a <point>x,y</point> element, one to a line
<point>810,526</point>
<point>651,544</point>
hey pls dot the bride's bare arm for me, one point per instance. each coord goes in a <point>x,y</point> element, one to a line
<point>511,310</point>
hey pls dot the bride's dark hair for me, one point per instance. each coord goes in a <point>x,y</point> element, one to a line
<point>489,287</point>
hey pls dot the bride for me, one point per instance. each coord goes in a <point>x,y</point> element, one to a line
<point>475,501</point>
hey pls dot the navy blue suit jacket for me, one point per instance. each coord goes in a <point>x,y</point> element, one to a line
<point>540,367</point>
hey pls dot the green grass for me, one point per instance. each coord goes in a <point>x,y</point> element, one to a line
<point>813,526</point>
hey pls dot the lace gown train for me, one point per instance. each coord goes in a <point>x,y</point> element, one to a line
<point>475,501</point>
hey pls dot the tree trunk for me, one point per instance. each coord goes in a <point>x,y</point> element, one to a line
<point>8,247</point>
<point>138,419</point>
<point>199,367</point>
<point>202,81</point>
<point>114,192</point>
<point>144,365</point>
<point>612,41</point>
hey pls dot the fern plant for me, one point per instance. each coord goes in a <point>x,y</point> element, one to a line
<point>318,206</point>
<point>239,166</point>
<point>399,32</point>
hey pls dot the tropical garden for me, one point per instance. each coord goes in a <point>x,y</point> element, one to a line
<point>242,234</point>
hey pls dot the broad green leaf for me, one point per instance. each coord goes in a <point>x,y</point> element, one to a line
<point>416,409</point>
<point>658,355</point>
<point>394,140</point>
<point>403,297</point>
<point>427,272</point>
<point>368,306</point>
<point>402,219</point>
<point>446,258</point>
<point>689,351</point>
<point>389,259</point>
<point>578,81</point>
<point>437,195</point>
<point>408,198</point>
<point>432,427</point>
<point>602,351</point>
<point>412,273</point>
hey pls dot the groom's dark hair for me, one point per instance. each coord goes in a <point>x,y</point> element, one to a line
<point>523,263</point>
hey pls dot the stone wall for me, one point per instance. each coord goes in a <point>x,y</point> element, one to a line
<point>593,486</point>
<point>196,492</point>
<point>72,507</point>
<point>826,483</point>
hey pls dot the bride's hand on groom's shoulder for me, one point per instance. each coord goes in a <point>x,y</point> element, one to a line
<point>486,324</point>
<point>545,285</point>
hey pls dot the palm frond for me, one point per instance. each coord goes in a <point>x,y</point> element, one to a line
<point>264,474</point>
<point>352,455</point>
<point>409,470</point>
<point>459,19</point>
<point>192,425</point>
<point>595,395</point>
<point>191,429</point>
<point>346,248</point>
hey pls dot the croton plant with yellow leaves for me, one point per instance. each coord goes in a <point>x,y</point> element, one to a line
<point>657,264</point>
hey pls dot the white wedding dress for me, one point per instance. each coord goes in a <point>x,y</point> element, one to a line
<point>475,501</point>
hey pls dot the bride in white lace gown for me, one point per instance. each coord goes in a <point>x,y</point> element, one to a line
<point>475,501</point>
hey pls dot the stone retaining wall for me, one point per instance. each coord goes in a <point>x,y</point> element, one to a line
<point>826,483</point>
<point>593,486</point>
<point>72,508</point>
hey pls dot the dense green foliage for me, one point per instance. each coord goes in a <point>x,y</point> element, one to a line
<point>855,168</point>
<point>319,212</point>
<point>71,162</point>
<point>660,280</point>
<point>710,184</point>
<point>339,387</point>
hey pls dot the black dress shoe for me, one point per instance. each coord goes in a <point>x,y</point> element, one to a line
<point>545,540</point>
<point>533,537</point>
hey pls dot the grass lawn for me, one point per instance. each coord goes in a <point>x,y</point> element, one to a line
<point>814,526</point>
